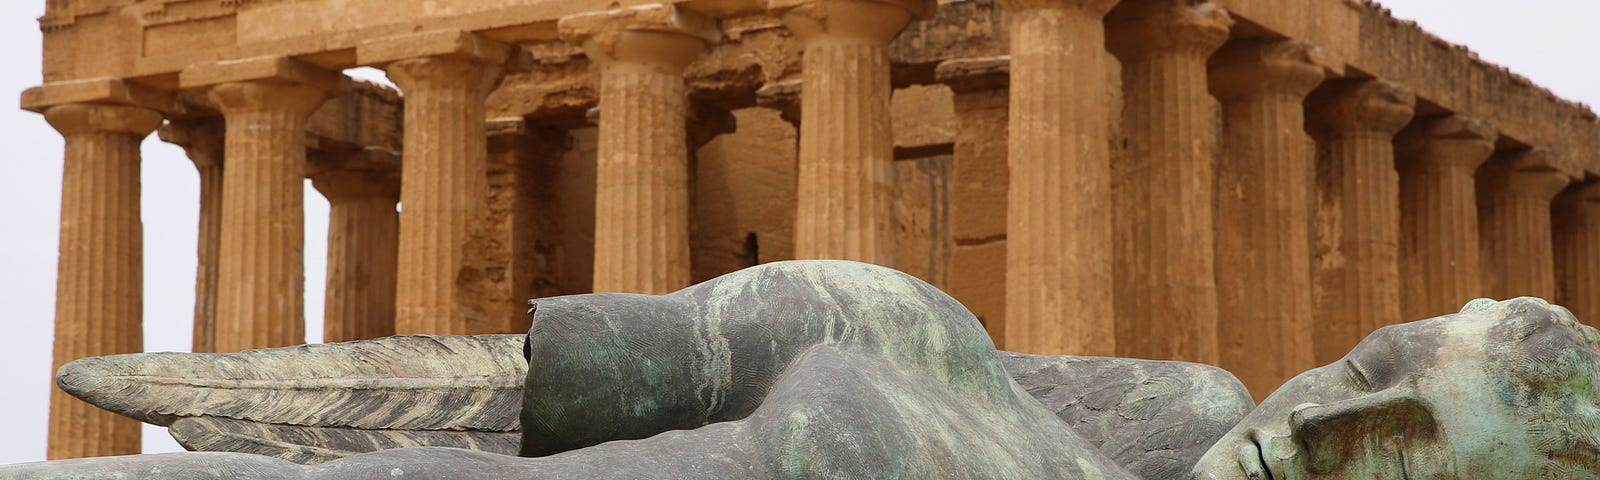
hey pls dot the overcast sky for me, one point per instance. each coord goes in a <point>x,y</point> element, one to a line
<point>1549,41</point>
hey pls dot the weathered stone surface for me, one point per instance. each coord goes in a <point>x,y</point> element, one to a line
<point>1164,189</point>
<point>1263,241</point>
<point>99,287</point>
<point>1356,213</point>
<point>1439,265</point>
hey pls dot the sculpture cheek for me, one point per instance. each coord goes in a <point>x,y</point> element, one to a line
<point>1372,433</point>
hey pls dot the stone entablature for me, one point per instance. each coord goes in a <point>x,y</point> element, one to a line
<point>1354,39</point>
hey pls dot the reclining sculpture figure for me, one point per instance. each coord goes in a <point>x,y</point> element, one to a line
<point>839,369</point>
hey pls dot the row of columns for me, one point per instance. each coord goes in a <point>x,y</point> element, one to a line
<point>1146,209</point>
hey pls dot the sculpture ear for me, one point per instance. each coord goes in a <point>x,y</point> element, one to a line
<point>1331,433</point>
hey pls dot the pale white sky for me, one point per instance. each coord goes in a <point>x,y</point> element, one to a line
<point>1549,41</point>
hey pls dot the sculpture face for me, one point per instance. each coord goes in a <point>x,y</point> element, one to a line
<point>1500,390</point>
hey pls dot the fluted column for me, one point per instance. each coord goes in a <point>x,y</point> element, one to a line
<point>441,286</point>
<point>642,176</point>
<point>1164,192</point>
<point>1437,158</point>
<point>1356,223</point>
<point>99,274</point>
<point>845,191</point>
<point>1263,257</point>
<point>265,102</point>
<point>363,236</point>
<point>1515,190</point>
<point>1576,218</point>
<point>203,140</point>
<point>1058,207</point>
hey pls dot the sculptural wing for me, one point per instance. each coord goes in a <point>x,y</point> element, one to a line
<point>417,383</point>
<point>310,445</point>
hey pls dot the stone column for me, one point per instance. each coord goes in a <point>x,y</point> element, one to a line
<point>845,192</point>
<point>203,140</point>
<point>1164,192</point>
<point>1515,190</point>
<point>641,225</point>
<point>1577,251</point>
<point>441,288</point>
<point>265,102</point>
<point>362,188</point>
<point>1437,158</point>
<point>99,274</point>
<point>978,186</point>
<point>1264,186</point>
<point>1058,207</point>
<point>1356,221</point>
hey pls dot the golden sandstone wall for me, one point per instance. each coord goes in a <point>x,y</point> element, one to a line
<point>1250,183</point>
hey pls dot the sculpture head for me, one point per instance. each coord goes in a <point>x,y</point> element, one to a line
<point>1504,390</point>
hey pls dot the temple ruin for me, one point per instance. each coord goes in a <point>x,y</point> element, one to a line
<point>1254,184</point>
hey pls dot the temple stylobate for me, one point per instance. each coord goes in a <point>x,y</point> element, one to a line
<point>1255,185</point>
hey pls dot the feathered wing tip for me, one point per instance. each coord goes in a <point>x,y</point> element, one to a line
<point>422,383</point>
<point>310,445</point>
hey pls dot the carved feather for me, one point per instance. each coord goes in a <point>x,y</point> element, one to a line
<point>309,445</point>
<point>393,383</point>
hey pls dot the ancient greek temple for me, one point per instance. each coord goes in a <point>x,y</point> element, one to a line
<point>1246,183</point>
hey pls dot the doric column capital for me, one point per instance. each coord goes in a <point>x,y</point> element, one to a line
<point>872,22</point>
<point>656,35</point>
<point>1579,205</point>
<point>104,90</point>
<point>79,118</point>
<point>1361,106</point>
<point>1097,8</point>
<point>202,139</point>
<point>1250,69</point>
<point>267,83</point>
<point>1523,173</point>
<point>1450,141</point>
<point>444,58</point>
<point>341,174</point>
<point>974,74</point>
<point>1138,29</point>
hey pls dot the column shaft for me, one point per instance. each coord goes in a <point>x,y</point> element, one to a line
<point>260,276</point>
<point>99,276</point>
<point>1514,196</point>
<point>1577,251</point>
<point>1058,207</point>
<point>1439,267</point>
<point>203,141</point>
<point>1164,192</point>
<point>845,192</point>
<point>641,225</point>
<point>1264,188</point>
<point>1356,224</point>
<point>440,288</point>
<point>363,236</point>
